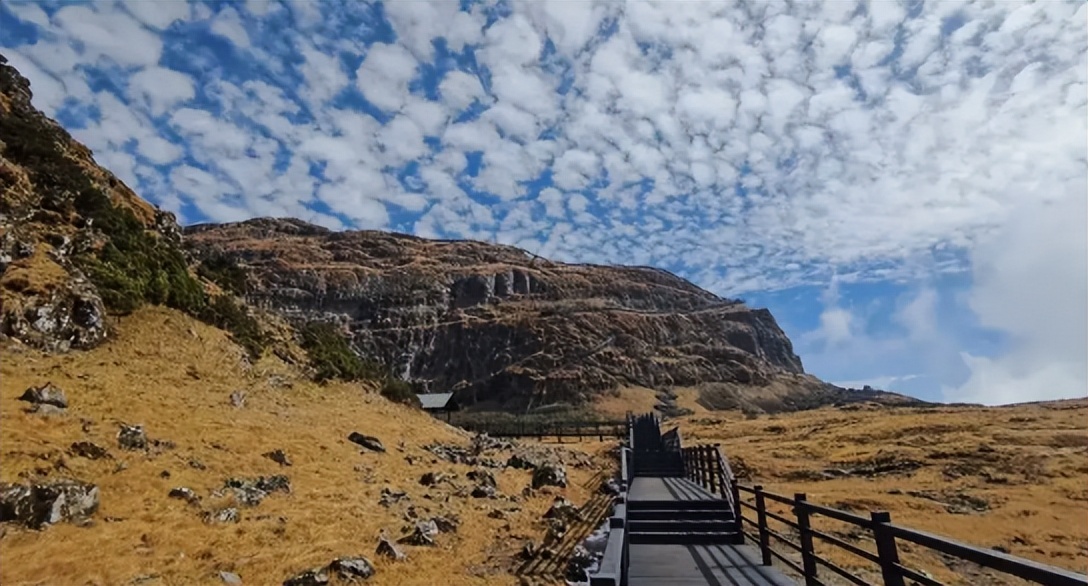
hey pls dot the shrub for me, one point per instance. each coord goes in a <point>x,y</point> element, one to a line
<point>332,357</point>
<point>400,391</point>
<point>225,313</point>
<point>223,271</point>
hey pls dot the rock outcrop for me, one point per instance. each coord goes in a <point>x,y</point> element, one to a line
<point>495,323</point>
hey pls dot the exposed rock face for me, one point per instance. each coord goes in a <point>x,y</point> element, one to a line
<point>495,323</point>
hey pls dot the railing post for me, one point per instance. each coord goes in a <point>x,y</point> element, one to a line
<point>885,548</point>
<point>705,470</point>
<point>808,557</point>
<point>713,485</point>
<point>761,519</point>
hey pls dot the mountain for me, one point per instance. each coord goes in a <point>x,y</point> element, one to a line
<point>501,327</point>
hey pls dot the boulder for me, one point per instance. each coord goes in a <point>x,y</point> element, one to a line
<point>389,549</point>
<point>37,505</point>
<point>186,494</point>
<point>562,509</point>
<point>278,456</point>
<point>132,437</point>
<point>88,450</point>
<point>47,394</point>
<point>251,491</point>
<point>550,474</point>
<point>369,442</point>
<point>352,568</point>
<point>313,577</point>
<point>423,534</point>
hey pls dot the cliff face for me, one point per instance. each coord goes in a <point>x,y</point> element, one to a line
<point>495,323</point>
<point>60,214</point>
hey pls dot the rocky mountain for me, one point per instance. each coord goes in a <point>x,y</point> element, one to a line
<point>500,326</point>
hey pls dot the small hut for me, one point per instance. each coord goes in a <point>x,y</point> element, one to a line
<point>438,403</point>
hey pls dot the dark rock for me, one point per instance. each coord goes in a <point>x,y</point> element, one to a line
<point>197,464</point>
<point>390,497</point>
<point>579,561</point>
<point>422,534</point>
<point>225,515</point>
<point>497,514</point>
<point>314,577</point>
<point>47,394</point>
<point>483,477</point>
<point>371,443</point>
<point>41,504</point>
<point>519,461</point>
<point>251,491</point>
<point>610,487</point>
<point>186,494</point>
<point>132,437</point>
<point>446,524</point>
<point>432,478</point>
<point>563,509</point>
<point>550,474</point>
<point>279,457</point>
<point>352,568</point>
<point>483,491</point>
<point>88,450</point>
<point>164,474</point>
<point>389,549</point>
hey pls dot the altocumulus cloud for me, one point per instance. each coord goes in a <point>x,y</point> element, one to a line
<point>753,147</point>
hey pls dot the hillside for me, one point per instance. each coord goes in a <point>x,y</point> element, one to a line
<point>1011,478</point>
<point>175,376</point>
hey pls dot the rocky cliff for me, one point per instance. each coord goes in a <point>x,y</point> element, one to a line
<point>495,323</point>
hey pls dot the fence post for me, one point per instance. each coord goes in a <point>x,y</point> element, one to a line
<point>712,487</point>
<point>761,519</point>
<point>808,558</point>
<point>704,456</point>
<point>885,548</point>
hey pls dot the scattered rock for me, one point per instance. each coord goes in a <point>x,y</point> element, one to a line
<point>390,497</point>
<point>251,491</point>
<point>238,399</point>
<point>483,491</point>
<point>579,561</point>
<point>88,450</point>
<point>47,394</point>
<point>46,410</point>
<point>371,443</point>
<point>423,534</point>
<point>388,549</point>
<point>314,577</point>
<point>230,578</point>
<point>550,474</point>
<point>164,474</point>
<point>432,478</point>
<point>227,515</point>
<point>446,524</point>
<point>42,504</point>
<point>186,494</point>
<point>520,462</point>
<point>563,510</point>
<point>528,550</point>
<point>278,456</point>
<point>955,502</point>
<point>132,437</point>
<point>497,514</point>
<point>610,487</point>
<point>352,568</point>
<point>197,464</point>
<point>482,477</point>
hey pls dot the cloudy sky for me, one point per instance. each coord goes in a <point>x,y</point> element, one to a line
<point>902,184</point>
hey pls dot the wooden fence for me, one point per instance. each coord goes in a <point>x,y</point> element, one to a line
<point>526,427</point>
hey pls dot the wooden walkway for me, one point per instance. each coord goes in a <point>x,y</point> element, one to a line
<point>714,564</point>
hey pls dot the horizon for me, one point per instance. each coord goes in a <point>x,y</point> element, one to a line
<point>903,185</point>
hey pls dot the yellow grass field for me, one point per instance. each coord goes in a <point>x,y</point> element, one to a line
<point>174,376</point>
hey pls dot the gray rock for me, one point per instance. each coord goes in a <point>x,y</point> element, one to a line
<point>47,410</point>
<point>369,442</point>
<point>88,450</point>
<point>446,524</point>
<point>423,534</point>
<point>550,474</point>
<point>390,497</point>
<point>483,491</point>
<point>251,491</point>
<point>41,504</point>
<point>47,394</point>
<point>579,561</point>
<point>389,549</point>
<point>132,437</point>
<point>352,568</point>
<point>432,478</point>
<point>230,578</point>
<point>278,456</point>
<point>314,577</point>
<point>238,399</point>
<point>227,515</point>
<point>186,494</point>
<point>483,477</point>
<point>562,509</point>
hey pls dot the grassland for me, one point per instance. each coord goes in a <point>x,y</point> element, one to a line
<point>174,375</point>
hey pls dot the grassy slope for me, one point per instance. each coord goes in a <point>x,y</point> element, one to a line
<point>1040,451</point>
<point>174,375</point>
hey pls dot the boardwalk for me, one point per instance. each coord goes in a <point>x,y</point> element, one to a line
<point>687,512</point>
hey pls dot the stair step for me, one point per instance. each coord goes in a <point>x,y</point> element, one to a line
<point>715,504</point>
<point>682,526</point>
<point>684,537</point>
<point>681,515</point>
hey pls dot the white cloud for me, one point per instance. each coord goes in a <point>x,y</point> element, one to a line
<point>460,89</point>
<point>113,35</point>
<point>228,24</point>
<point>384,75</point>
<point>160,88</point>
<point>158,15</point>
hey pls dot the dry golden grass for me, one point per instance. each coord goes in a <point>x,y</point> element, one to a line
<point>1029,462</point>
<point>619,403</point>
<point>174,375</point>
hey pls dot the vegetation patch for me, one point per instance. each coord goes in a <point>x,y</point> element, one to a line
<point>400,391</point>
<point>227,314</point>
<point>225,272</point>
<point>332,358</point>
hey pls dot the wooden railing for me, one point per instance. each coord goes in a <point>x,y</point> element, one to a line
<point>884,537</point>
<point>708,467</point>
<point>544,429</point>
<point>612,570</point>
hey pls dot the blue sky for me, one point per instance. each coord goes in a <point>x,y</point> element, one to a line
<point>902,184</point>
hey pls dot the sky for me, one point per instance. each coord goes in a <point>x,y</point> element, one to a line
<point>903,184</point>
